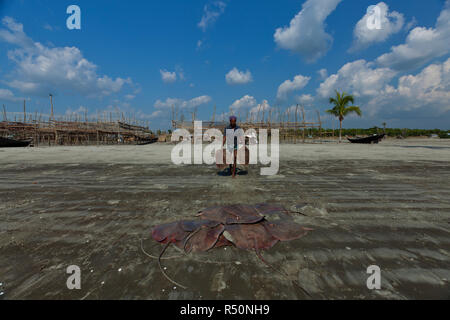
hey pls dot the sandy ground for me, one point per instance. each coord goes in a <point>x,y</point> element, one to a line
<point>385,205</point>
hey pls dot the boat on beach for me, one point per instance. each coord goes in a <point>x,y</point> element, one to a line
<point>367,140</point>
<point>145,142</point>
<point>12,143</point>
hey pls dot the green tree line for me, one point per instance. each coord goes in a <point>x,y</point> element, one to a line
<point>390,132</point>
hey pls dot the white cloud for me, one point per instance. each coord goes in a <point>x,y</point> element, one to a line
<point>167,76</point>
<point>429,90</point>
<point>172,76</point>
<point>137,90</point>
<point>238,77</point>
<point>180,73</point>
<point>411,24</point>
<point>299,82</point>
<point>168,103</point>
<point>244,102</point>
<point>48,27</point>
<point>248,104</point>
<point>305,99</point>
<point>6,94</point>
<point>14,33</point>
<point>40,69</point>
<point>197,102</point>
<point>175,102</point>
<point>262,107</point>
<point>421,46</point>
<point>359,78</point>
<point>306,34</point>
<point>323,73</point>
<point>81,111</point>
<point>155,114</point>
<point>211,12</point>
<point>391,23</point>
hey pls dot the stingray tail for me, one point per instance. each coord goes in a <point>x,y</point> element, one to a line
<point>162,270</point>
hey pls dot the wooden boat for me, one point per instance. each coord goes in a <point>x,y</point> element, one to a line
<point>11,143</point>
<point>368,140</point>
<point>147,141</point>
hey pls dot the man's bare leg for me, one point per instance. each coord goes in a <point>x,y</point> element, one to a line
<point>234,163</point>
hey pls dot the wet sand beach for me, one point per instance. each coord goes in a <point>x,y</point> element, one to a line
<point>386,205</point>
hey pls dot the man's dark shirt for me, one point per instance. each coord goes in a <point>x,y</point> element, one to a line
<point>229,127</point>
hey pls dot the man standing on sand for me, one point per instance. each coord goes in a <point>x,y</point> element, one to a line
<point>232,147</point>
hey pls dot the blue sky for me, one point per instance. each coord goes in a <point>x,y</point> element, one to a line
<point>143,57</point>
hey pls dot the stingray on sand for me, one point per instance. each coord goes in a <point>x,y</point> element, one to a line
<point>248,227</point>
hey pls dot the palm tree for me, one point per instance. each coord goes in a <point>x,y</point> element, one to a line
<point>341,108</point>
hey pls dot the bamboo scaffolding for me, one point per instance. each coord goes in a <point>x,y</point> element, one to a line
<point>273,119</point>
<point>73,130</point>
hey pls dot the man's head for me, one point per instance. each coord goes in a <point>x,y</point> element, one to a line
<point>233,120</point>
